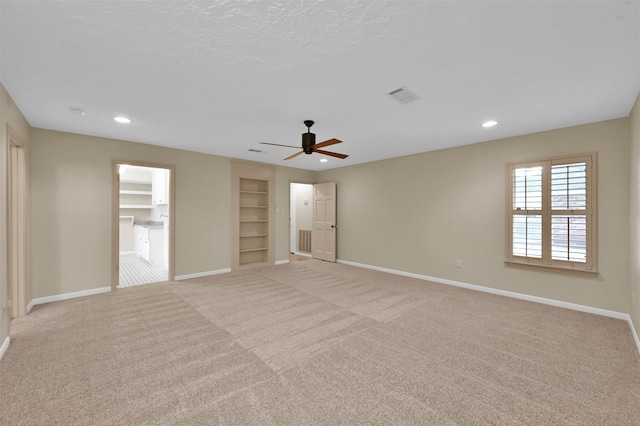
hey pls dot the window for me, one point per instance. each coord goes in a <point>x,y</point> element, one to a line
<point>551,213</point>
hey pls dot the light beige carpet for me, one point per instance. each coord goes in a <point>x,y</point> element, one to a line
<point>316,343</point>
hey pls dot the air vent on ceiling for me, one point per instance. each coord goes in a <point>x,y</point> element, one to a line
<point>255,150</point>
<point>402,94</point>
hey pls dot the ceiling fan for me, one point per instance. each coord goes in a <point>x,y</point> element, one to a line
<point>309,145</point>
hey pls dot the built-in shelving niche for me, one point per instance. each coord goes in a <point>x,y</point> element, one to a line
<point>252,216</point>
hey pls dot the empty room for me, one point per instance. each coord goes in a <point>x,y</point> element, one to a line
<point>325,212</point>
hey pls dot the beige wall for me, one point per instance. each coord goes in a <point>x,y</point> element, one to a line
<point>634,214</point>
<point>420,213</point>
<point>10,115</point>
<point>71,205</point>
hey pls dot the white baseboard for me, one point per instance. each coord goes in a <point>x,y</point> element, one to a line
<point>30,306</point>
<point>65,296</point>
<point>303,254</point>
<point>521,296</point>
<point>126,252</point>
<point>283,262</point>
<point>4,346</point>
<point>634,334</point>
<point>202,274</point>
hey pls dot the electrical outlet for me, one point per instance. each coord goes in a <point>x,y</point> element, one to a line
<point>458,263</point>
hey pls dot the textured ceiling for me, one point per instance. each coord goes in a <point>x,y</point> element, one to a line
<point>221,76</point>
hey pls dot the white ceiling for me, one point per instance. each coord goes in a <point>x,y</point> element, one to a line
<point>220,76</point>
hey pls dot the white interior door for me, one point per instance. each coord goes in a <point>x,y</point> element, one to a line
<point>324,221</point>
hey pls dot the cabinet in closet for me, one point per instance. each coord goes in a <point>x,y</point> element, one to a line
<point>160,186</point>
<point>149,243</point>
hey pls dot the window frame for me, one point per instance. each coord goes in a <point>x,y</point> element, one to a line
<point>546,262</point>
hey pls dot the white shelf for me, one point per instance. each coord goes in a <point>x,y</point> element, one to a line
<point>131,192</point>
<point>136,206</point>
<point>136,181</point>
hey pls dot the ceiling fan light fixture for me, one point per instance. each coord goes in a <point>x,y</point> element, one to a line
<point>402,95</point>
<point>323,160</point>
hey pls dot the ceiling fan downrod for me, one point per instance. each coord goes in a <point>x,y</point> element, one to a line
<point>308,139</point>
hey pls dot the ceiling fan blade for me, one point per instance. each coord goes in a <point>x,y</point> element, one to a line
<point>332,154</point>
<point>277,144</point>
<point>294,155</point>
<point>328,142</point>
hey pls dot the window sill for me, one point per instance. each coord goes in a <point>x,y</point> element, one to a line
<point>559,269</point>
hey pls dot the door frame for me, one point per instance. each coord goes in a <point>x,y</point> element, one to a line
<point>115,216</point>
<point>16,223</point>
<point>293,239</point>
<point>313,231</point>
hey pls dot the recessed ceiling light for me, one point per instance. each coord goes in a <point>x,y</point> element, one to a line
<point>77,111</point>
<point>122,119</point>
<point>489,123</point>
<point>323,160</point>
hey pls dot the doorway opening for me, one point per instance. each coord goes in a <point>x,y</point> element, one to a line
<point>144,224</point>
<point>16,229</point>
<point>300,221</point>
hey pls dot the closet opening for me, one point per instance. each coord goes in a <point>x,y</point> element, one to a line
<point>144,224</point>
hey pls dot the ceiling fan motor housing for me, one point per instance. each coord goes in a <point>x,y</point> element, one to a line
<point>308,140</point>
